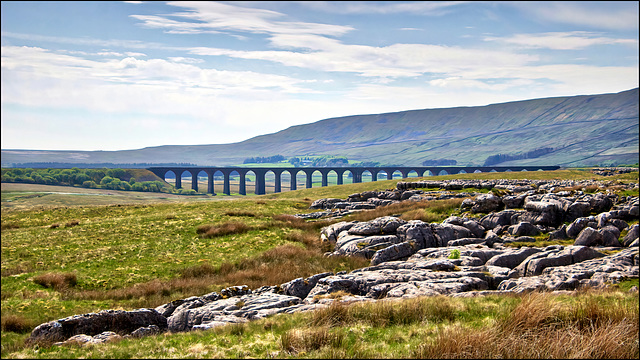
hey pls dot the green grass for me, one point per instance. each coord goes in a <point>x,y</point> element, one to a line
<point>590,324</point>
<point>66,254</point>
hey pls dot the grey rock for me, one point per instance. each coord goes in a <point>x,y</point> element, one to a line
<point>394,252</point>
<point>578,225</point>
<point>418,232</point>
<point>588,237</point>
<point>560,234</point>
<point>301,287</point>
<point>486,203</point>
<point>576,210</point>
<point>501,218</point>
<point>632,234</point>
<point>568,256</point>
<point>524,229</point>
<point>446,232</point>
<point>330,233</point>
<point>118,321</point>
<point>146,331</point>
<point>512,259</point>
<point>609,236</point>
<point>380,226</point>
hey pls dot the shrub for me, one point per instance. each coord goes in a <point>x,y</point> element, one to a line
<point>226,228</point>
<point>17,324</point>
<point>72,223</point>
<point>57,281</point>
<point>455,254</point>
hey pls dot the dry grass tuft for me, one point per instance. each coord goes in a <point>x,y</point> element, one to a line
<point>298,341</point>
<point>388,313</point>
<point>56,281</point>
<point>9,225</point>
<point>227,228</point>
<point>240,213</point>
<point>72,223</point>
<point>539,327</point>
<point>200,270</point>
<point>17,324</point>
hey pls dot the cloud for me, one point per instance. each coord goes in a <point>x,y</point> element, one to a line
<point>38,77</point>
<point>398,60</point>
<point>215,17</point>
<point>615,15</point>
<point>574,40</point>
<point>84,41</point>
<point>432,8</point>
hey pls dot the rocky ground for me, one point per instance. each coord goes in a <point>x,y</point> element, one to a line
<point>462,256</point>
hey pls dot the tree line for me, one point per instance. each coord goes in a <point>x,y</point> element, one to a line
<point>500,158</point>
<point>63,165</point>
<point>104,178</point>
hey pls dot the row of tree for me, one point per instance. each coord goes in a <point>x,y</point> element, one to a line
<point>113,179</point>
<point>264,159</point>
<point>500,158</point>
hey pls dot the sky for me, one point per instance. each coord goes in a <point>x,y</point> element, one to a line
<point>109,75</point>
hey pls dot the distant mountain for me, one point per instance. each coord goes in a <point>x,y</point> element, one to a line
<point>567,131</point>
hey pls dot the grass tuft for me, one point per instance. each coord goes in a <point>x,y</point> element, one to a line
<point>226,228</point>
<point>56,281</point>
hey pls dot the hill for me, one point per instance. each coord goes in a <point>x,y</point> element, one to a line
<point>568,131</point>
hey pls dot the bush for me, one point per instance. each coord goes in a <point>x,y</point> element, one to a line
<point>226,228</point>
<point>17,324</point>
<point>90,184</point>
<point>57,281</point>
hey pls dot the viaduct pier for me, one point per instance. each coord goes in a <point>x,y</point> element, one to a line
<point>355,172</point>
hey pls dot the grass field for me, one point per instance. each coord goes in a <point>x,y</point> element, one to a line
<point>68,251</point>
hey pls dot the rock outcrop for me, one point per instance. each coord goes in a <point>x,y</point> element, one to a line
<point>466,255</point>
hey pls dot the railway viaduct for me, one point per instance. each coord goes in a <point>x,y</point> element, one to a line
<point>356,173</point>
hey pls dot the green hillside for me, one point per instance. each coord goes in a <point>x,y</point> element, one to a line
<point>568,131</point>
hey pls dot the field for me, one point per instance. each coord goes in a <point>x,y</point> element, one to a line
<point>69,251</point>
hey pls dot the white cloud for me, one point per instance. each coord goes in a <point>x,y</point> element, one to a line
<point>37,77</point>
<point>617,15</point>
<point>574,40</point>
<point>433,8</point>
<point>215,17</point>
<point>398,60</point>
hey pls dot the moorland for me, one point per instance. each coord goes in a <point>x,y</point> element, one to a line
<point>68,251</point>
<point>571,131</point>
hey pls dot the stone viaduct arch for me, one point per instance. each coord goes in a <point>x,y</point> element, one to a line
<point>260,172</point>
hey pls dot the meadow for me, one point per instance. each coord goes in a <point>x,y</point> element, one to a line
<point>67,252</point>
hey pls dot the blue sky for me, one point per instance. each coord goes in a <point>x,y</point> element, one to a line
<point>109,75</point>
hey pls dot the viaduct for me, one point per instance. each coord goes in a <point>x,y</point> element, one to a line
<point>356,173</point>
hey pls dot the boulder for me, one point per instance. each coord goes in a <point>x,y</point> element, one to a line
<point>632,234</point>
<point>418,232</point>
<point>523,229</point>
<point>609,236</point>
<point>486,203</point>
<point>394,252</point>
<point>330,233</point>
<point>560,234</point>
<point>446,232</point>
<point>301,287</point>
<point>578,225</point>
<point>600,203</point>
<point>502,218</point>
<point>118,321</point>
<point>380,226</point>
<point>543,213</point>
<point>512,259</point>
<point>588,237</point>
<point>362,243</point>
<point>568,256</point>
<point>576,210</point>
